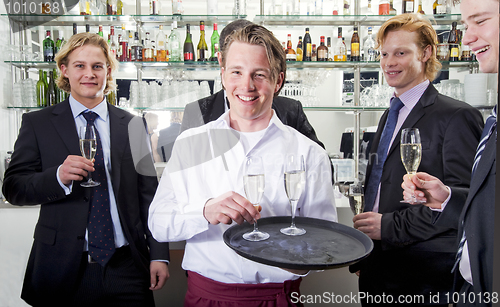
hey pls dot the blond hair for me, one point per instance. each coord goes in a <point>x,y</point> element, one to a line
<point>426,37</point>
<point>79,40</point>
<point>258,35</point>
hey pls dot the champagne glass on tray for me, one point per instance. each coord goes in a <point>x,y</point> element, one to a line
<point>295,182</point>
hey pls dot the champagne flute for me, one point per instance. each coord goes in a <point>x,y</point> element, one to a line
<point>88,148</point>
<point>295,181</point>
<point>411,154</point>
<point>253,182</point>
<point>356,198</point>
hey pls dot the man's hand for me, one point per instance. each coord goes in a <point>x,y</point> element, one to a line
<point>75,168</point>
<point>369,223</point>
<point>230,207</point>
<point>159,274</point>
<point>425,187</point>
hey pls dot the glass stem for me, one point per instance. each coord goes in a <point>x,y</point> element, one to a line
<point>293,204</point>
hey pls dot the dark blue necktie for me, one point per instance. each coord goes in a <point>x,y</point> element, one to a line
<point>489,129</point>
<point>383,146</point>
<point>100,226</point>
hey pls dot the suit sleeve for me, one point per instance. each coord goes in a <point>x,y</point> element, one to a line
<point>192,116</point>
<point>304,127</point>
<point>418,223</point>
<point>26,180</point>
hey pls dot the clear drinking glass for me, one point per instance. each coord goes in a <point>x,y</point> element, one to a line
<point>411,154</point>
<point>88,147</point>
<point>295,182</point>
<point>254,183</point>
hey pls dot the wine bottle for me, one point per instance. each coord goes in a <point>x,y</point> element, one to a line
<point>48,48</point>
<point>188,45</point>
<point>41,90</point>
<point>340,48</point>
<point>154,7</point>
<point>420,10</point>
<point>87,28</point>
<point>322,50</point>
<point>290,53</point>
<point>75,29</point>
<point>162,46</point>
<point>174,43</point>
<point>329,46</point>
<point>111,7</point>
<point>202,48</point>
<point>214,40</point>
<point>408,6</point>
<point>59,43</point>
<point>355,54</point>
<point>307,47</point>
<point>100,33</point>
<point>51,90</point>
<point>119,7</point>
<point>299,49</point>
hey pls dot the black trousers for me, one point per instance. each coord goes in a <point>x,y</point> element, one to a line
<point>120,283</point>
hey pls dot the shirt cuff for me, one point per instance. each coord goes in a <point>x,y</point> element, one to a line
<point>67,189</point>
<point>443,205</point>
<point>160,260</point>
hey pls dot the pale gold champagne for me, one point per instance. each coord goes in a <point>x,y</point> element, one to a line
<point>357,203</point>
<point>411,154</point>
<point>88,148</point>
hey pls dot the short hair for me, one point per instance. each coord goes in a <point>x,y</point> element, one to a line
<point>79,40</point>
<point>426,37</point>
<point>230,28</point>
<point>254,34</point>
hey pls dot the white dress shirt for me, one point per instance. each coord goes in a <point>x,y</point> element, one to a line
<point>176,212</point>
<point>102,125</point>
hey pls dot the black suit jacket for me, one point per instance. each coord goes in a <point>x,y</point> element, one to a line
<point>45,139</point>
<point>415,256</point>
<point>210,108</point>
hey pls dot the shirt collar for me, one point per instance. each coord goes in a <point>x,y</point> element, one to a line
<point>412,96</point>
<point>223,122</point>
<point>77,108</point>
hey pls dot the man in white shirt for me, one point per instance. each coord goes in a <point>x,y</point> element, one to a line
<point>201,191</point>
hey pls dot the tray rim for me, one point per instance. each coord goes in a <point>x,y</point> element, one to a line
<point>352,232</point>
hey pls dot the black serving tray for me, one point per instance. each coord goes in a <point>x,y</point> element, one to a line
<point>325,245</point>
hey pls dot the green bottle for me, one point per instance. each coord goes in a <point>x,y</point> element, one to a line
<point>59,43</point>
<point>51,90</point>
<point>215,43</point>
<point>48,48</point>
<point>41,90</point>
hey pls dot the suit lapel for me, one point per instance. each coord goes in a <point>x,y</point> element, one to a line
<point>119,141</point>
<point>64,123</point>
<point>218,107</point>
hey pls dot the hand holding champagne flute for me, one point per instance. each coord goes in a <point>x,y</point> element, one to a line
<point>411,154</point>
<point>88,148</point>
<point>254,183</point>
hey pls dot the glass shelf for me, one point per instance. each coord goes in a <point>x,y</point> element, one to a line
<point>106,20</point>
<point>339,20</point>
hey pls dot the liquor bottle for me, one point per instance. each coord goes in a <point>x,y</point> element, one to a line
<point>370,53</point>
<point>355,53</point>
<point>111,7</point>
<point>329,46</point>
<point>307,57</point>
<point>85,7</point>
<point>147,50</point>
<point>131,43</point>
<point>300,49</point>
<point>41,90</point>
<point>339,54</point>
<point>119,7</point>
<point>136,49</point>
<point>51,91</point>
<point>87,28</point>
<point>453,41</point>
<point>367,10</point>
<point>113,46</point>
<point>188,45</point>
<point>347,7</point>
<point>335,7</point>
<point>123,45</point>
<point>322,51</point>
<point>59,43</point>
<point>174,43</point>
<point>314,55</point>
<point>177,8</point>
<point>100,33</point>
<point>392,10</point>
<point>408,6</point>
<point>154,7</point>
<point>162,46</point>
<point>439,7</point>
<point>48,48</point>
<point>420,10</point>
<point>202,48</point>
<point>384,7</point>
<point>75,29</point>
<point>214,40</point>
<point>289,52</point>
<point>318,7</point>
